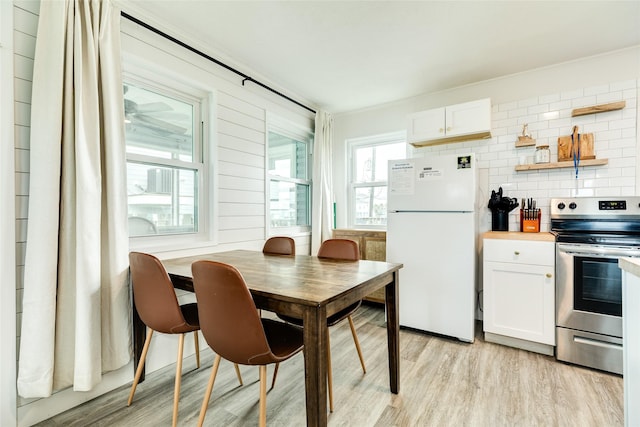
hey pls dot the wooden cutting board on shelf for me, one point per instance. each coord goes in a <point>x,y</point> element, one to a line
<point>567,145</point>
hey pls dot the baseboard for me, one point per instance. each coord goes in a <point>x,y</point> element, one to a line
<point>545,349</point>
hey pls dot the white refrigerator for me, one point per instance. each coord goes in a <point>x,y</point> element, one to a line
<point>431,229</point>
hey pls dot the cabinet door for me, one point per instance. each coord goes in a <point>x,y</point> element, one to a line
<point>468,118</point>
<point>426,125</point>
<point>519,301</point>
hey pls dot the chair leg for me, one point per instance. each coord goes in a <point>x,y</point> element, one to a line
<point>357,343</point>
<point>275,374</point>
<point>207,394</point>
<point>176,389</point>
<point>143,357</point>
<point>329,373</point>
<point>263,396</point>
<point>195,341</point>
<point>238,373</point>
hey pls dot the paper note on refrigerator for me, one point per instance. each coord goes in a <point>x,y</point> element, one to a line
<point>402,178</point>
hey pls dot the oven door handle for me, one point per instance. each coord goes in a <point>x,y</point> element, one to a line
<point>598,251</point>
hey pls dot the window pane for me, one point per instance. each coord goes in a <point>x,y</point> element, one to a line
<point>158,125</point>
<point>287,157</point>
<point>364,164</point>
<point>371,161</point>
<point>289,204</point>
<point>162,200</point>
<point>371,206</point>
<point>387,152</point>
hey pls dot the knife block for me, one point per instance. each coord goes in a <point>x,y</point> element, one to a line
<point>530,220</point>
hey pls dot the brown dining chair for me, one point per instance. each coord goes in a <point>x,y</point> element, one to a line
<point>279,245</point>
<point>343,249</point>
<point>157,305</point>
<point>233,329</point>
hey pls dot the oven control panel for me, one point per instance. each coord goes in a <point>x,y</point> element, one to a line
<point>593,207</point>
<point>612,205</point>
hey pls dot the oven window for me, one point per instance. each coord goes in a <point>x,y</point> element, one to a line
<point>598,285</point>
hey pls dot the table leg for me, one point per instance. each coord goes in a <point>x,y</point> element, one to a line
<point>315,365</point>
<point>393,332</point>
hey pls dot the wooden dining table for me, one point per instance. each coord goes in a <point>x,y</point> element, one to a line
<point>312,289</point>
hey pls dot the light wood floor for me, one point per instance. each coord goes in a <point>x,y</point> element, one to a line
<point>444,382</point>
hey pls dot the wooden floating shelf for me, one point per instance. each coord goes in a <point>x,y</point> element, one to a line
<point>598,108</point>
<point>558,165</point>
<point>525,142</point>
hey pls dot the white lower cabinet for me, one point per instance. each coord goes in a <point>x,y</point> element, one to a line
<point>519,292</point>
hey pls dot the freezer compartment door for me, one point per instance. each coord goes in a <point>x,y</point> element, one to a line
<point>434,183</point>
<point>437,286</point>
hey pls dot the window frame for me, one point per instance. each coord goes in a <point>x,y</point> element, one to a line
<point>159,81</point>
<point>286,128</point>
<point>352,145</point>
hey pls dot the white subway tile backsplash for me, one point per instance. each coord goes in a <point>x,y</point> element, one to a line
<point>610,97</point>
<point>508,106</point>
<point>628,113</point>
<point>608,192</point>
<point>622,162</point>
<point>622,181</point>
<point>539,108</point>
<point>549,132</point>
<point>528,102</point>
<point>498,115</point>
<point>517,112</point>
<point>622,124</point>
<point>608,135</point>
<point>627,84</point>
<point>585,101</point>
<point>560,105</point>
<point>594,90</point>
<point>595,127</point>
<point>546,99</point>
<point>572,94</point>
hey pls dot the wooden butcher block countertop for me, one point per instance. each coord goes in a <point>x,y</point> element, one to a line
<point>517,235</point>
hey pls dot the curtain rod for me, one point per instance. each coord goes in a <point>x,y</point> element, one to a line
<point>245,77</point>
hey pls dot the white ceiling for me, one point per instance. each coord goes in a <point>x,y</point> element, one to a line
<point>348,55</point>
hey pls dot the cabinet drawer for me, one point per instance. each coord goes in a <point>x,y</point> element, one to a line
<point>519,251</point>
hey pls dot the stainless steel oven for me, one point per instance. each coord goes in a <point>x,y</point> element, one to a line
<point>591,235</point>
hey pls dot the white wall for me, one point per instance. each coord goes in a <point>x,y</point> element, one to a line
<point>515,99</point>
<point>7,222</point>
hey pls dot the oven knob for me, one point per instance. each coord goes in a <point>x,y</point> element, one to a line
<point>572,205</point>
<point>561,205</point>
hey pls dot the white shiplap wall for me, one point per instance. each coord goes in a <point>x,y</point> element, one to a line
<point>25,29</point>
<point>8,399</point>
<point>548,117</point>
<point>237,152</point>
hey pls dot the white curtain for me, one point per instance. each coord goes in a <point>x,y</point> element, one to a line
<point>322,223</point>
<point>75,318</point>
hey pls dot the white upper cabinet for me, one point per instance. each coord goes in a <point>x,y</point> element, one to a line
<point>460,122</point>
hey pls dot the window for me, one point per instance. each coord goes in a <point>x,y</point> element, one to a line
<point>164,160</point>
<point>368,175</point>
<point>289,171</point>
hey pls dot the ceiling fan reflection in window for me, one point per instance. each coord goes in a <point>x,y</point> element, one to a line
<point>157,122</point>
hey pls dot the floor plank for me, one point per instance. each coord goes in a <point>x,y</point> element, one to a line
<point>444,382</point>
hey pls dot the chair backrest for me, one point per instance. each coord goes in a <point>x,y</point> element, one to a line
<point>229,320</point>
<point>339,249</point>
<point>280,245</point>
<point>154,295</point>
